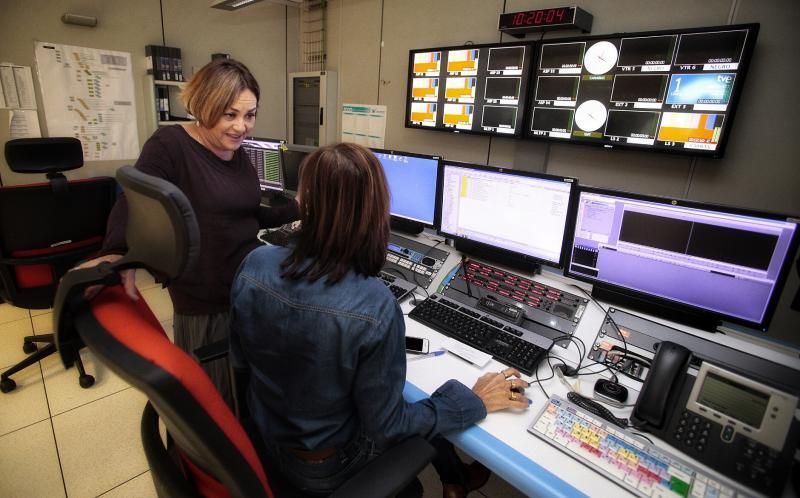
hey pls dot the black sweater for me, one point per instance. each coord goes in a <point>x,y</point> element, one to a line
<point>226,200</point>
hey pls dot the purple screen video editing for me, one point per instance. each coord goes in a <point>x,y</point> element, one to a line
<point>714,260</point>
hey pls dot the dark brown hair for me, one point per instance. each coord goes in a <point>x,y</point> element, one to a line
<point>215,87</point>
<point>344,209</point>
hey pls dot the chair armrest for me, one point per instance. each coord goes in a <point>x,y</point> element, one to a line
<point>390,472</point>
<point>211,352</point>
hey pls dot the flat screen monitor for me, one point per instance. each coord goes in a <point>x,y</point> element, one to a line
<point>292,157</point>
<point>412,180</point>
<point>512,212</point>
<point>469,89</point>
<point>672,91</point>
<point>682,258</point>
<point>264,155</point>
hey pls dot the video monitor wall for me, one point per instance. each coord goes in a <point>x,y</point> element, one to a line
<point>469,89</point>
<point>668,90</point>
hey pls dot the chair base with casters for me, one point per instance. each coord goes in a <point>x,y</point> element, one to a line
<point>36,354</point>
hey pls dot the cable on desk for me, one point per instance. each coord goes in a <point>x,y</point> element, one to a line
<point>608,317</point>
<point>593,406</point>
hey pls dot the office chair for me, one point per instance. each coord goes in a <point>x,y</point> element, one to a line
<point>208,452</point>
<point>45,229</point>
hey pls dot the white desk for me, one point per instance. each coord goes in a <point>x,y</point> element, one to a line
<point>501,441</point>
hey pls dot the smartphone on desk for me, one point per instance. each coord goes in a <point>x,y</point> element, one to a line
<point>417,345</point>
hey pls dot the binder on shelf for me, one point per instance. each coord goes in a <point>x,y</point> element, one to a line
<point>164,63</point>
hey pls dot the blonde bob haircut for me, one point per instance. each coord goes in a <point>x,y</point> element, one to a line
<point>215,88</point>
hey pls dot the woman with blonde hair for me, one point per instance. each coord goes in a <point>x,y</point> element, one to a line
<point>203,159</point>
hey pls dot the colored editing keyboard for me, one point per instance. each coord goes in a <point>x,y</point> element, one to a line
<point>541,303</point>
<point>506,342</point>
<point>631,462</point>
<point>399,287</point>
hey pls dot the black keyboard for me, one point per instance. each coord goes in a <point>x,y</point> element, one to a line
<point>399,287</point>
<point>506,342</point>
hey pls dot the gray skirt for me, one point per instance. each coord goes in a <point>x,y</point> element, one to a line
<point>193,331</point>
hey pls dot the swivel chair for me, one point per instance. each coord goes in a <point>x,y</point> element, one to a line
<point>45,229</point>
<point>208,452</point>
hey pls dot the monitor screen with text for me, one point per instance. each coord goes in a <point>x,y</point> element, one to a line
<point>264,155</point>
<point>512,210</point>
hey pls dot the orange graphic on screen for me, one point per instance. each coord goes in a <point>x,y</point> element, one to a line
<point>462,60</point>
<point>425,87</point>
<point>421,112</point>
<point>457,114</point>
<point>687,127</point>
<point>460,88</point>
<point>427,62</point>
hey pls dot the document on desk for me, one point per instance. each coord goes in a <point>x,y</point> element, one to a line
<point>472,355</point>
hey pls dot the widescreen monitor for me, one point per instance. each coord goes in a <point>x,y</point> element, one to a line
<point>512,212</point>
<point>469,89</point>
<point>412,180</point>
<point>681,258</point>
<point>292,157</point>
<point>264,155</point>
<point>671,91</point>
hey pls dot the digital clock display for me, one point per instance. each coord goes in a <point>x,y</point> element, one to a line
<point>543,17</point>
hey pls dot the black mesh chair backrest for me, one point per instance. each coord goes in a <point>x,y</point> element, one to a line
<point>46,228</point>
<point>44,155</point>
<point>162,231</point>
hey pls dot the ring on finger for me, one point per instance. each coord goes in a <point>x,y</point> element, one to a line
<point>512,383</point>
<point>513,396</point>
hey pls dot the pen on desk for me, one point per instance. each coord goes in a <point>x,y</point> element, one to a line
<point>428,355</point>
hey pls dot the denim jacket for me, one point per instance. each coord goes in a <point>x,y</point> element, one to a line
<point>328,361</point>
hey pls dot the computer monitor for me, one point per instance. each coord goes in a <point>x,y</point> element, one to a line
<point>292,156</point>
<point>686,261</point>
<point>264,155</point>
<point>505,213</point>
<point>670,91</point>
<point>412,180</point>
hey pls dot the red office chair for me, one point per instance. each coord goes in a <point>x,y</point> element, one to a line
<point>45,229</point>
<point>209,452</point>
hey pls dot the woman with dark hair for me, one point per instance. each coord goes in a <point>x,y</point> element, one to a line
<point>203,159</point>
<point>324,339</point>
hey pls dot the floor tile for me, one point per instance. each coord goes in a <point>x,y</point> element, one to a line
<point>144,280</point>
<point>41,312</point>
<point>140,486</point>
<point>10,313</point>
<point>42,323</point>
<point>24,405</point>
<point>11,334</point>
<point>100,445</point>
<point>63,390</point>
<point>29,466</point>
<point>159,302</point>
<point>167,326</point>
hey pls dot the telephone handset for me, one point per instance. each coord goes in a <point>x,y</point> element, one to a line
<point>662,386</point>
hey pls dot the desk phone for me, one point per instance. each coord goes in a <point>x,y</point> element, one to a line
<point>740,427</point>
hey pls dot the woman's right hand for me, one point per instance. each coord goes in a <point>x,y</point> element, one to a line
<point>502,390</point>
<point>128,276</point>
